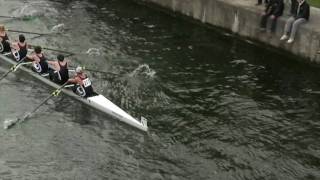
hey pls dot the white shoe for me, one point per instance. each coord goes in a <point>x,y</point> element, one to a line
<point>284,37</point>
<point>290,41</point>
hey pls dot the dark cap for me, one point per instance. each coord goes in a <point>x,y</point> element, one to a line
<point>37,49</point>
<point>22,38</point>
<point>60,57</point>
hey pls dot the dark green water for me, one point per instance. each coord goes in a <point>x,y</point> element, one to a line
<point>218,107</point>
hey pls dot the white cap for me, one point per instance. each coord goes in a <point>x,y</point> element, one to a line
<point>79,69</point>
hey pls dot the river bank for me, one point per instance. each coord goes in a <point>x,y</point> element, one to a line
<point>242,17</point>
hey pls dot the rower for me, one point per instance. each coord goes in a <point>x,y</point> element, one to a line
<point>82,84</point>
<point>40,64</point>
<point>58,71</point>
<point>19,49</point>
<point>4,40</point>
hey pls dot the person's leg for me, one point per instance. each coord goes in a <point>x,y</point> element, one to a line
<point>274,24</point>
<point>287,28</point>
<point>295,27</point>
<point>259,2</point>
<point>264,20</point>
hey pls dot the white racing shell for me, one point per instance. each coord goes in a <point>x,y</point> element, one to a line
<point>98,102</point>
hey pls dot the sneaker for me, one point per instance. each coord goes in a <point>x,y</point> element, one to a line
<point>284,37</point>
<point>290,41</point>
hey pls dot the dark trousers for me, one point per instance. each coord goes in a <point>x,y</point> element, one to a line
<point>265,1</point>
<point>264,21</point>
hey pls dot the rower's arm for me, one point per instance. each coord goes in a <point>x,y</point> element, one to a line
<point>30,57</point>
<point>52,63</point>
<point>72,80</point>
<point>14,45</point>
<point>75,80</point>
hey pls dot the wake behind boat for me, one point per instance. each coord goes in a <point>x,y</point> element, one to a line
<point>97,101</point>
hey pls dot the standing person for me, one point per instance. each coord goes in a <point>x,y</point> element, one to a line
<point>19,49</point>
<point>300,16</point>
<point>83,86</point>
<point>59,71</point>
<point>40,64</point>
<point>4,40</point>
<point>260,2</point>
<point>274,9</point>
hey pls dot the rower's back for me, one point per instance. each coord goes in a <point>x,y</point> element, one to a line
<point>4,43</point>
<point>40,64</point>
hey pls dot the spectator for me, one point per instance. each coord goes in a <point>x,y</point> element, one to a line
<point>293,6</point>
<point>260,2</point>
<point>274,9</point>
<point>300,15</point>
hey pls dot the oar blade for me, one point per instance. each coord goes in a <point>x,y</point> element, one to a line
<point>8,123</point>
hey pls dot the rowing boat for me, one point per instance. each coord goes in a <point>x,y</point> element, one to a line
<point>98,101</point>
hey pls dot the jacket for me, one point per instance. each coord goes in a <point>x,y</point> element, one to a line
<point>302,11</point>
<point>275,7</point>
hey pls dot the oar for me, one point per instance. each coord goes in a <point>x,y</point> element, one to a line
<point>28,32</point>
<point>97,71</point>
<point>56,50</point>
<point>13,17</point>
<point>15,67</point>
<point>17,17</point>
<point>11,122</point>
<point>60,51</point>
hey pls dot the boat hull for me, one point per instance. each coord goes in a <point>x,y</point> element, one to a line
<point>98,102</point>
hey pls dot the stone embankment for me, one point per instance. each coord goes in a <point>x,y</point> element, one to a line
<point>243,17</point>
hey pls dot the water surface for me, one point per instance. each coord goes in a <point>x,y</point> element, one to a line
<point>218,107</point>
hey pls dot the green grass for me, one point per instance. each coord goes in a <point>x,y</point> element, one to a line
<point>315,3</point>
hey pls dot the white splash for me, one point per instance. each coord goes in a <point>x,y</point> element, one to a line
<point>143,69</point>
<point>239,61</point>
<point>58,28</point>
<point>93,52</point>
<point>25,10</point>
<point>9,122</point>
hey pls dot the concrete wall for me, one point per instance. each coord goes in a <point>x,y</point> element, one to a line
<point>242,17</point>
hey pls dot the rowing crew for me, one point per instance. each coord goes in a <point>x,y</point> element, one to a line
<point>57,70</point>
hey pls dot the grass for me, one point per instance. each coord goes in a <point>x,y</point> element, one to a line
<point>315,3</point>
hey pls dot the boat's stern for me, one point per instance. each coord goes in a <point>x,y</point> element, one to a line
<point>105,105</point>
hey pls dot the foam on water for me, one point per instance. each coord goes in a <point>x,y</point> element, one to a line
<point>58,28</point>
<point>143,70</point>
<point>94,52</point>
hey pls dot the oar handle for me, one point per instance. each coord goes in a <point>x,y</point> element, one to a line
<point>13,68</point>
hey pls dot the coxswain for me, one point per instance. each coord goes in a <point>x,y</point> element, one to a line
<point>82,84</point>
<point>19,49</point>
<point>4,40</point>
<point>40,64</point>
<point>58,70</point>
